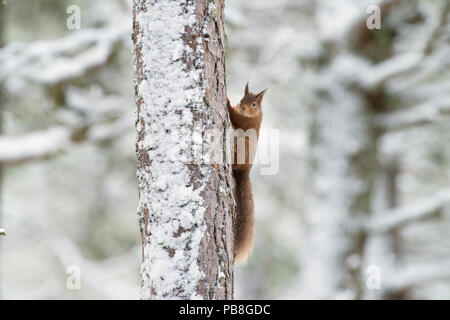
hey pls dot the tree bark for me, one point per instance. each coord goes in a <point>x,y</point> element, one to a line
<point>185,199</point>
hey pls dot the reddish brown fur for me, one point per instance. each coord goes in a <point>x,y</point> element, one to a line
<point>246,115</point>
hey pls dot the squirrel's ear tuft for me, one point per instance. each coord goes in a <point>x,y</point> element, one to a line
<point>246,89</point>
<point>262,92</point>
<point>260,95</point>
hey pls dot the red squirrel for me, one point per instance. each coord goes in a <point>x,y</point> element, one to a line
<point>247,115</point>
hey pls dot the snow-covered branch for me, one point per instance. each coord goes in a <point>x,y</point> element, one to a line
<point>401,216</point>
<point>94,117</point>
<point>94,104</point>
<point>55,61</point>
<point>390,68</point>
<point>108,116</point>
<point>108,131</point>
<point>412,61</point>
<point>407,276</point>
<point>438,27</point>
<point>35,145</point>
<point>430,65</point>
<point>428,112</point>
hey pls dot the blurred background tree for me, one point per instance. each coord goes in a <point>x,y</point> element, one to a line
<point>70,188</point>
<point>363,180</point>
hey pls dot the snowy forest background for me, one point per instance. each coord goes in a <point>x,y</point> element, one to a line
<point>359,208</point>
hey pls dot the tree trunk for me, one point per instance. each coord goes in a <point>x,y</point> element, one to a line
<point>185,199</point>
<point>344,162</point>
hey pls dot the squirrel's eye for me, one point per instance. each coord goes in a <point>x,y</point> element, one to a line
<point>254,104</point>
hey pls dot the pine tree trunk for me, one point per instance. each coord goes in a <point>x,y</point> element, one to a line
<point>185,200</point>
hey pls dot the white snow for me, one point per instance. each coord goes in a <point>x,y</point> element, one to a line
<point>397,217</point>
<point>33,145</point>
<point>54,61</point>
<point>427,112</point>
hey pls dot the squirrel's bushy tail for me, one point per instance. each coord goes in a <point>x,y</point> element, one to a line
<point>244,224</point>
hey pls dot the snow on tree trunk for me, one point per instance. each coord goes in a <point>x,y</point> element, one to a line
<point>185,206</point>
